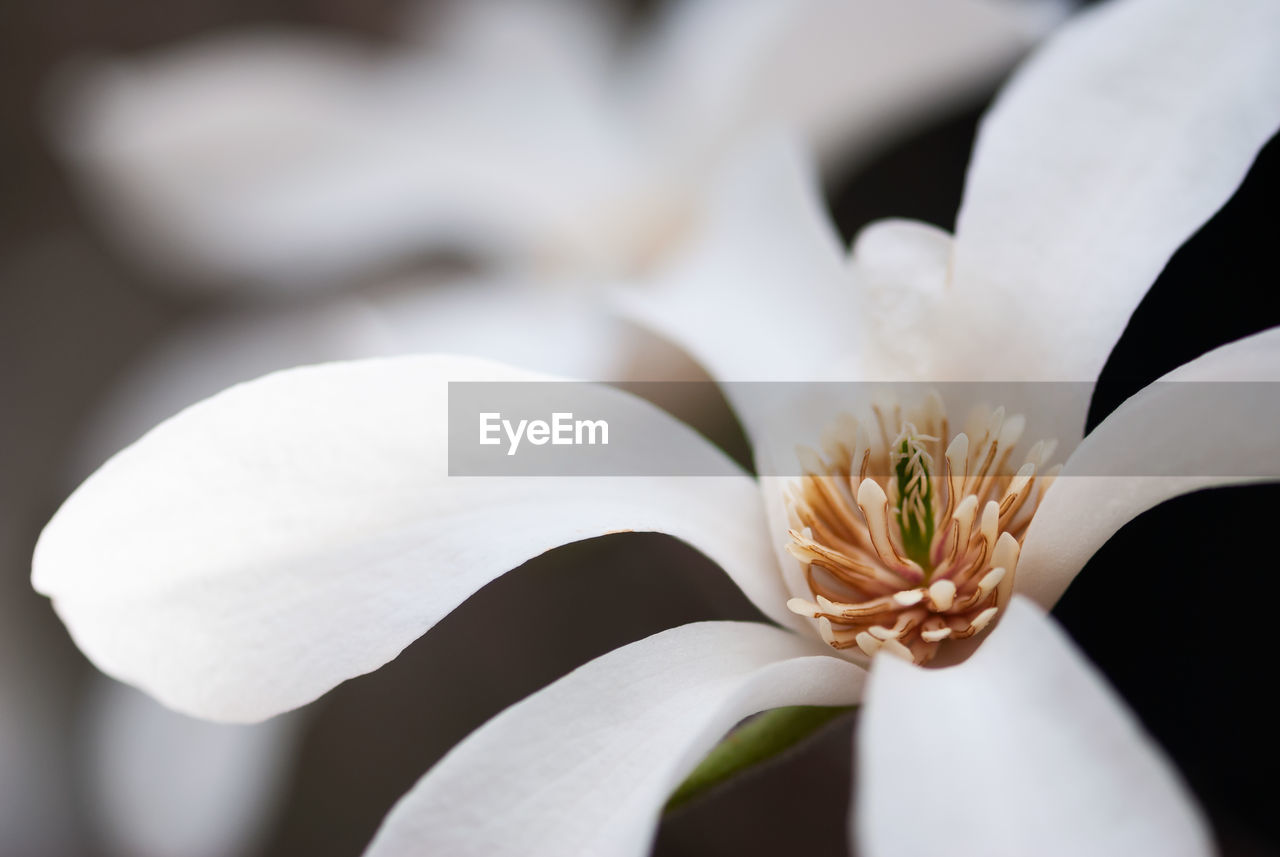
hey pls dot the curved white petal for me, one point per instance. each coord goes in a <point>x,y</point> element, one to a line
<point>1022,749</point>
<point>162,784</point>
<point>762,292</point>
<point>1199,438</point>
<point>585,765</point>
<point>846,74</point>
<point>290,533</point>
<point>1115,142</point>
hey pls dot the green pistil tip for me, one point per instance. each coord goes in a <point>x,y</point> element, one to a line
<point>915,498</point>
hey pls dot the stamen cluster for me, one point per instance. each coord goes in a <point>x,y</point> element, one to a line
<point>897,556</point>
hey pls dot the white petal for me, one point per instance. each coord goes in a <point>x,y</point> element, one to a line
<point>1030,752</point>
<point>304,163</point>
<point>1118,139</point>
<point>166,785</point>
<point>169,145</point>
<point>1185,430</point>
<point>290,533</point>
<point>901,268</point>
<point>845,73</point>
<point>564,38</point>
<point>762,292</point>
<point>585,766</point>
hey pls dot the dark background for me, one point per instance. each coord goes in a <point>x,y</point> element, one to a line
<point>1166,609</point>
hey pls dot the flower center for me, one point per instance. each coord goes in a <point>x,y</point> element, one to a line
<point>910,536</point>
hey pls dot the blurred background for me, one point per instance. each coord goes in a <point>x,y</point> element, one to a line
<point>79,314</point>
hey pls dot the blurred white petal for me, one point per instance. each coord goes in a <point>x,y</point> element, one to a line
<point>1022,749</point>
<point>1107,151</point>
<point>572,41</point>
<point>301,162</point>
<point>166,785</point>
<point>762,292</point>
<point>847,74</point>
<point>1171,427</point>
<point>174,146</point>
<point>585,765</point>
<point>293,532</point>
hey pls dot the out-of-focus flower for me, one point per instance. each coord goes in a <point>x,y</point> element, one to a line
<point>297,161</point>
<point>526,131</point>
<point>293,160</point>
<point>293,532</point>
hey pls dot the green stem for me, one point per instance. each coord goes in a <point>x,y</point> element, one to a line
<point>757,740</point>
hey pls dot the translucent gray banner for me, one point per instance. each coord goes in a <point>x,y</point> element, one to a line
<point>1171,429</point>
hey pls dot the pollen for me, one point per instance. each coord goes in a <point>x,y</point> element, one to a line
<point>909,535</point>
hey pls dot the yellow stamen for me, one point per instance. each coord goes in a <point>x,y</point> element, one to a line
<point>898,557</point>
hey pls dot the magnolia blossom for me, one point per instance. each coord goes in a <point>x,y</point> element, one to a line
<point>526,131</point>
<point>290,533</point>
<point>294,161</point>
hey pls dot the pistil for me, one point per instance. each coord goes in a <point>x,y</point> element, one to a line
<point>911,466</point>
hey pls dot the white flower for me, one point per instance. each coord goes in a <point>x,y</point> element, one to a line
<point>528,131</point>
<point>288,534</point>
<point>239,156</point>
